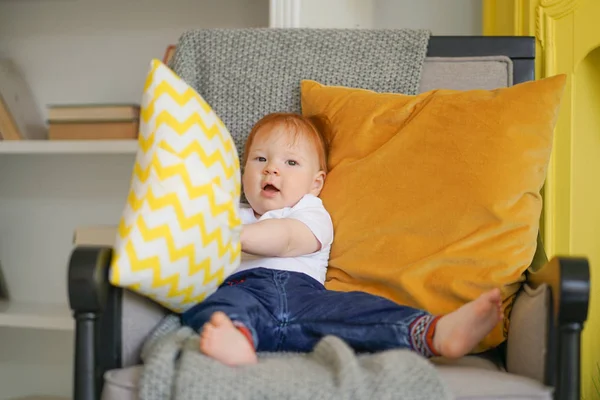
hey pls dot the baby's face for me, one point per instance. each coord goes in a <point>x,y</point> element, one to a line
<point>280,169</point>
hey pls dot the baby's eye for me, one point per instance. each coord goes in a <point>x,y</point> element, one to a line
<point>292,162</point>
<point>260,159</point>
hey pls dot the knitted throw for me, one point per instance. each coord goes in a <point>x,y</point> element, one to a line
<point>175,369</point>
<point>245,74</point>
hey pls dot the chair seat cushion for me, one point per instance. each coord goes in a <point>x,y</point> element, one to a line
<point>122,384</point>
<point>470,378</point>
<point>483,384</point>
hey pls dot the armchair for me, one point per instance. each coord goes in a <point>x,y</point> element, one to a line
<point>540,359</point>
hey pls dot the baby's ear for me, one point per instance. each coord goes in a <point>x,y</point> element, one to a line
<point>318,183</point>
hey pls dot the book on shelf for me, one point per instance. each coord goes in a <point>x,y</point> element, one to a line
<point>8,127</point>
<point>99,130</point>
<point>169,53</point>
<point>95,235</point>
<point>92,112</point>
<point>93,121</point>
<point>20,117</point>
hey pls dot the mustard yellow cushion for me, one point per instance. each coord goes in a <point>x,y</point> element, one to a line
<point>179,234</point>
<point>435,198</point>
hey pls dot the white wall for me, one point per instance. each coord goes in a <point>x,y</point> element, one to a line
<point>442,17</point>
<point>336,13</point>
<point>75,51</point>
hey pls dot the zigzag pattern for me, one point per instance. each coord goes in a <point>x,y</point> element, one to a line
<point>185,223</point>
<point>194,148</point>
<point>164,88</point>
<point>179,233</point>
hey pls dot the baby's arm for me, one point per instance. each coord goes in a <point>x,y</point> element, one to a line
<point>285,237</point>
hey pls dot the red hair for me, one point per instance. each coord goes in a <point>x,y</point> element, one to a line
<point>312,128</point>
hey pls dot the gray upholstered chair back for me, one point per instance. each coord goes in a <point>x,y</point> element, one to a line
<point>244,74</point>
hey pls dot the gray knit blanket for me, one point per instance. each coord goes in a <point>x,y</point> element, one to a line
<point>245,74</point>
<point>174,369</point>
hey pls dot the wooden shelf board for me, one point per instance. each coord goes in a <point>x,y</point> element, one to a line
<point>36,315</point>
<point>68,146</point>
<point>40,398</point>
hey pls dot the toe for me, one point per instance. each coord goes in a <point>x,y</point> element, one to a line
<point>205,338</point>
<point>493,296</point>
<point>204,345</point>
<point>207,329</point>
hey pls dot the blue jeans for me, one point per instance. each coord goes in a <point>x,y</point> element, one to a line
<point>290,311</point>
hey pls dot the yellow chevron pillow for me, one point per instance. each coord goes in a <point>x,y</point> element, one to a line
<point>179,233</point>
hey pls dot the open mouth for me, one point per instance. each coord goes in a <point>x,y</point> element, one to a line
<point>269,188</point>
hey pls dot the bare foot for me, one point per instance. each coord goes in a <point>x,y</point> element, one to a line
<point>457,333</point>
<point>221,340</point>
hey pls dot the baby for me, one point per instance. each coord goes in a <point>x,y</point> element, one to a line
<point>277,301</point>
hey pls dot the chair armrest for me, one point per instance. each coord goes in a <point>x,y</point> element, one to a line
<point>569,281</point>
<point>96,306</point>
<point>88,280</point>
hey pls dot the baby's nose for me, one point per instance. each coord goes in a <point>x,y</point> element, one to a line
<point>271,170</point>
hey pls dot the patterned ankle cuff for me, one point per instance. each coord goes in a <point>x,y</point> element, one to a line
<point>421,335</point>
<point>245,331</point>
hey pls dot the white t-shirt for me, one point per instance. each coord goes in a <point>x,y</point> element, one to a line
<point>311,212</point>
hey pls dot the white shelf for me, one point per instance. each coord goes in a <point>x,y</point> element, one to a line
<point>68,146</point>
<point>38,316</point>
